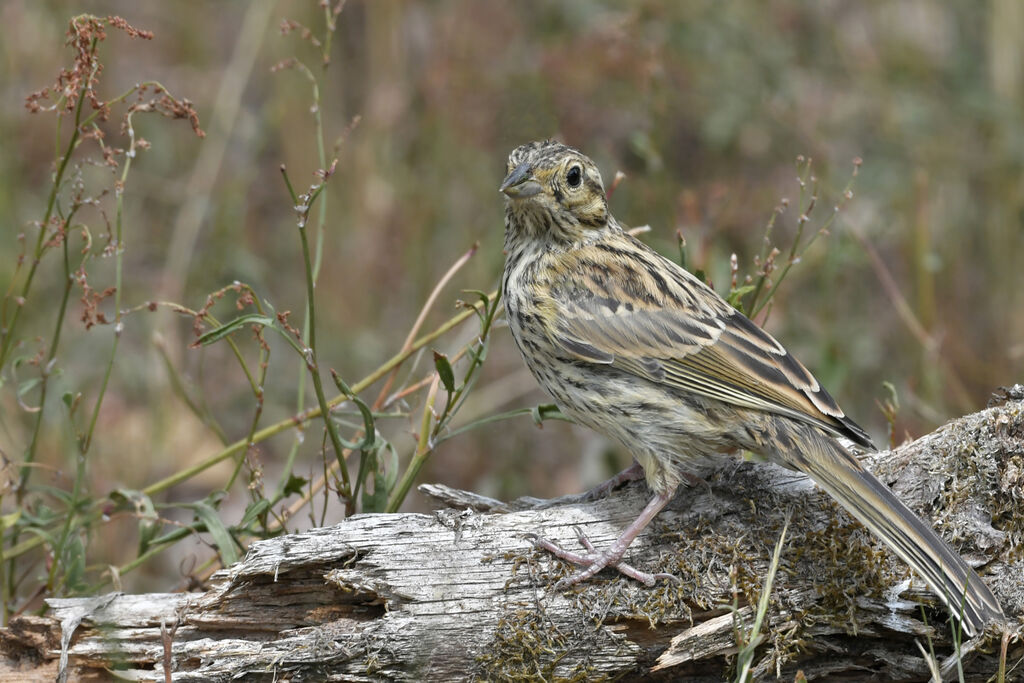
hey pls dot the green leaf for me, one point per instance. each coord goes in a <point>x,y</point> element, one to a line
<point>736,295</point>
<point>480,312</point>
<point>74,564</point>
<point>171,537</point>
<point>480,294</point>
<point>227,328</point>
<point>28,385</point>
<point>391,471</point>
<point>382,466</point>
<point>380,492</point>
<point>546,411</point>
<point>373,502</point>
<point>9,520</point>
<point>444,371</point>
<point>295,486</point>
<point>47,537</point>
<point>369,429</point>
<point>221,536</point>
<point>142,506</point>
<point>253,512</point>
<point>63,496</point>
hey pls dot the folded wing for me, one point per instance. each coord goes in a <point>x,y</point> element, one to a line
<point>629,307</point>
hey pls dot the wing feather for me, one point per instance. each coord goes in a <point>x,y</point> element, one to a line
<point>644,314</point>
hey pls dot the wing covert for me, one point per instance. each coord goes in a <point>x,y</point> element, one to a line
<point>659,322</point>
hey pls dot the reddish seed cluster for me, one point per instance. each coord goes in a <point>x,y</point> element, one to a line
<point>84,36</point>
<point>91,300</point>
<point>282,318</point>
<point>290,25</point>
<point>120,23</point>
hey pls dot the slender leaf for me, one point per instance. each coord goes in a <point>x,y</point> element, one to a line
<point>227,328</point>
<point>253,512</point>
<point>444,371</point>
<point>221,536</point>
<point>369,428</point>
<point>373,502</point>
<point>9,520</point>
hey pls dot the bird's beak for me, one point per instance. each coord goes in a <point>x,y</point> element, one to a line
<point>520,183</point>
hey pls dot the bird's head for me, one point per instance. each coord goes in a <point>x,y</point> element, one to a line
<point>553,192</point>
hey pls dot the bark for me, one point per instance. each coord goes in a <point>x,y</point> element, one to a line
<point>461,594</point>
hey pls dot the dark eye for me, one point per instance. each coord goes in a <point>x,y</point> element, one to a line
<point>574,177</point>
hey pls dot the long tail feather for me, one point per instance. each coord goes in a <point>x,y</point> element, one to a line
<point>876,507</point>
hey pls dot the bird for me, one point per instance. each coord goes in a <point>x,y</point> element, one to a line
<point>638,349</point>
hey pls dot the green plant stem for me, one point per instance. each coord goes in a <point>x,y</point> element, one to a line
<point>300,399</point>
<point>300,394</point>
<point>499,417</point>
<point>745,656</point>
<point>86,441</point>
<point>456,400</point>
<point>423,449</point>
<point>58,179</point>
<point>765,251</point>
<point>272,430</point>
<point>48,366</point>
<point>258,392</point>
<point>7,329</point>
<point>314,413</point>
<point>179,388</point>
<point>428,437</point>
<point>157,547</point>
<point>314,368</point>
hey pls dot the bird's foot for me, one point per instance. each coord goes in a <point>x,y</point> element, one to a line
<point>594,561</point>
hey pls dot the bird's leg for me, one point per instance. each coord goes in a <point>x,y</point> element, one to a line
<point>631,473</point>
<point>594,561</point>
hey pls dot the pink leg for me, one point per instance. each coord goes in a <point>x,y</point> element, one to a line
<point>631,473</point>
<point>593,561</point>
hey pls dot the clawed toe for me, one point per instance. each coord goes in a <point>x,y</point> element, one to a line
<point>592,562</point>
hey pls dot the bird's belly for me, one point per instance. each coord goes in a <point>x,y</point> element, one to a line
<point>669,434</point>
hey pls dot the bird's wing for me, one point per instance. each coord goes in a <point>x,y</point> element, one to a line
<point>618,302</point>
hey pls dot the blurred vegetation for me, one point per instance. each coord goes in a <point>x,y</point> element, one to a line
<point>704,105</point>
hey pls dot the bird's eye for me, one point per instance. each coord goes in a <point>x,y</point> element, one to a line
<point>574,177</point>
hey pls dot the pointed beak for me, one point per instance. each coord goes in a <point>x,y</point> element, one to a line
<point>520,183</point>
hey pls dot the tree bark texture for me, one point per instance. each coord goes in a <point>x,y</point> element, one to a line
<point>462,595</point>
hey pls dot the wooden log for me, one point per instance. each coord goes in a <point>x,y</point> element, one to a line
<point>461,594</point>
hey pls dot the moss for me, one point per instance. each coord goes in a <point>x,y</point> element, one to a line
<point>527,645</point>
<point>846,564</point>
<point>1005,497</point>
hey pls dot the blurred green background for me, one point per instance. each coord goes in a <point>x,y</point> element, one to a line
<point>704,105</point>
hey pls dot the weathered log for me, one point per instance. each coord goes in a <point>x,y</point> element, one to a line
<point>461,594</point>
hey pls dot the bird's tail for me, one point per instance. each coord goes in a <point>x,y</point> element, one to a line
<point>876,507</point>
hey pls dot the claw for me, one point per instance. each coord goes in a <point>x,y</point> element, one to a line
<point>592,562</point>
<point>584,541</point>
